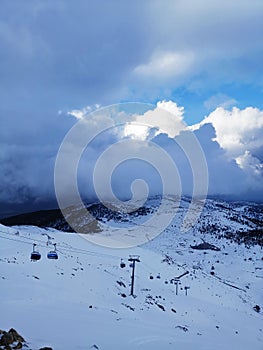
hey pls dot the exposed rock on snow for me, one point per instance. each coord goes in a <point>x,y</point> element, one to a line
<point>11,338</point>
<point>205,246</point>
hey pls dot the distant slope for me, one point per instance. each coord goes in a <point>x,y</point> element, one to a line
<point>241,222</point>
<point>55,219</point>
<point>43,218</point>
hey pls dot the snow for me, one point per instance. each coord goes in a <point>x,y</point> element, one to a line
<point>75,302</point>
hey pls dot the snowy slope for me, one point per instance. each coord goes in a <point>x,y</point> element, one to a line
<point>78,301</point>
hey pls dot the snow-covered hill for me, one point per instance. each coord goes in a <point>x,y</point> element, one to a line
<point>82,300</point>
<point>239,221</point>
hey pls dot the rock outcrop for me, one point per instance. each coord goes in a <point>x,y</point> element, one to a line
<point>11,338</point>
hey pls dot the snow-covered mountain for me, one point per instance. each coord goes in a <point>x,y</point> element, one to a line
<point>82,300</point>
<point>239,221</point>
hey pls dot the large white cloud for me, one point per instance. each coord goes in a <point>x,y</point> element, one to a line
<point>231,141</point>
<point>240,134</point>
<point>170,123</point>
<point>237,131</point>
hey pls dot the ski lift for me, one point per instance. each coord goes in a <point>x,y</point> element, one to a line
<point>166,282</point>
<point>53,253</point>
<point>158,276</point>
<point>151,277</point>
<point>122,264</point>
<point>35,256</point>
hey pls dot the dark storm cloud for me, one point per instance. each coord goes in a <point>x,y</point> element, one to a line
<point>55,56</point>
<point>64,53</point>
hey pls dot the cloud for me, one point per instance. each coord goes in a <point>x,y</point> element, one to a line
<point>63,56</point>
<point>82,113</point>
<point>226,178</point>
<point>201,46</point>
<point>26,173</point>
<point>220,100</point>
<point>240,134</point>
<point>237,130</point>
<point>232,174</point>
<point>231,141</point>
<point>164,65</point>
<point>166,118</point>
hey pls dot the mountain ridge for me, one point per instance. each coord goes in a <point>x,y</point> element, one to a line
<point>238,221</point>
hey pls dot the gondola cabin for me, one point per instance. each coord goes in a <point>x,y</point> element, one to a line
<point>53,255</point>
<point>35,256</point>
<point>122,264</point>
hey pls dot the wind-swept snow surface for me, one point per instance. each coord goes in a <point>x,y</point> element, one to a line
<point>82,300</point>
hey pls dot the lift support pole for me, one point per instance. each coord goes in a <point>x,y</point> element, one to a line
<point>133,260</point>
<point>177,280</point>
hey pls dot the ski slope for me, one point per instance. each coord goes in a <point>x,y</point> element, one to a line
<point>81,301</point>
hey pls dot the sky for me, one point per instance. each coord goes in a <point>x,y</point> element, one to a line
<point>60,60</point>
